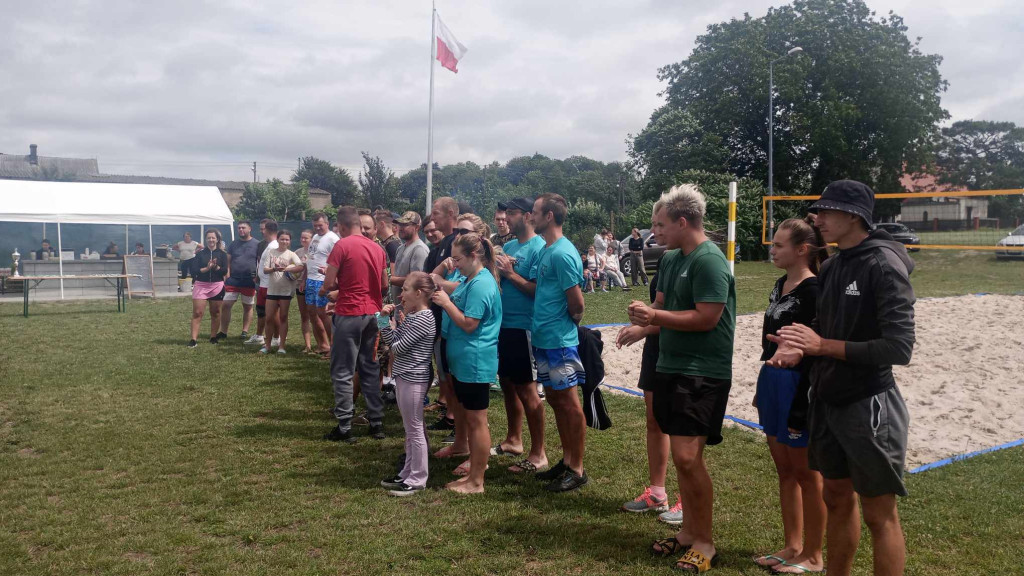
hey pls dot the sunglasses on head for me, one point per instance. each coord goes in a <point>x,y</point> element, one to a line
<point>464,231</point>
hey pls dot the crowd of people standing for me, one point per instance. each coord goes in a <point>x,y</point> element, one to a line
<point>470,309</point>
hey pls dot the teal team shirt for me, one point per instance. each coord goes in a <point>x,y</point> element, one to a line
<point>517,306</point>
<point>559,268</point>
<point>446,322</point>
<point>473,357</point>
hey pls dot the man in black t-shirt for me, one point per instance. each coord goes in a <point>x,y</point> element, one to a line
<point>443,215</point>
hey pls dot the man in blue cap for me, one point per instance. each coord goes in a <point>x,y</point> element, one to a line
<point>857,418</point>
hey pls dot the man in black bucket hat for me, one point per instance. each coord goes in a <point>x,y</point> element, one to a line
<point>857,418</point>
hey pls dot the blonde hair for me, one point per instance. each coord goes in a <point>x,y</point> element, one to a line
<point>479,226</point>
<point>683,201</point>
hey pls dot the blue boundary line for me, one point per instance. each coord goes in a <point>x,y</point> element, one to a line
<point>959,457</point>
<point>918,470</point>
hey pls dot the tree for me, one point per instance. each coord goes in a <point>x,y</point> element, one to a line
<point>274,199</point>
<point>981,155</point>
<point>326,176</point>
<point>861,101</point>
<point>377,182</point>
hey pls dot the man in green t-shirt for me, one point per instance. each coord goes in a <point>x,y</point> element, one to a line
<point>695,315</point>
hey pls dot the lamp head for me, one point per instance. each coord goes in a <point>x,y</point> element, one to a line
<point>794,51</point>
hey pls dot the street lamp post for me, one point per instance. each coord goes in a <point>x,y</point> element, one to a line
<point>771,134</point>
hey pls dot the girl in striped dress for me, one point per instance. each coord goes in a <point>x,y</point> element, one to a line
<point>412,343</point>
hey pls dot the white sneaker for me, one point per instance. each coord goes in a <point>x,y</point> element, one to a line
<point>255,339</point>
<point>275,342</point>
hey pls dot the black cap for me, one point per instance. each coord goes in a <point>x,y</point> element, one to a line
<point>502,205</point>
<point>524,204</point>
<point>847,196</point>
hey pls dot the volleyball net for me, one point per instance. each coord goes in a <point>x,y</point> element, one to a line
<point>987,220</point>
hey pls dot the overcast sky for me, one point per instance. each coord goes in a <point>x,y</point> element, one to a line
<point>201,89</point>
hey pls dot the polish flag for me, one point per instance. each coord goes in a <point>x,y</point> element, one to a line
<point>449,49</point>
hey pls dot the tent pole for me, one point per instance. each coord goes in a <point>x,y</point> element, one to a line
<point>125,239</point>
<point>60,261</point>
<point>152,249</point>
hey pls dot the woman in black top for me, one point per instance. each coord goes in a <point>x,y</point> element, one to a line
<point>208,269</point>
<point>636,257</point>
<point>781,401</point>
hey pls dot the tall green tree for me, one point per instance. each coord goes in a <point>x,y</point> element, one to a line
<point>326,176</point>
<point>982,155</point>
<point>861,101</point>
<point>377,182</point>
<point>274,199</point>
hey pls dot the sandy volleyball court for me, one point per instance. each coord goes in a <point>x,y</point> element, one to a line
<point>964,387</point>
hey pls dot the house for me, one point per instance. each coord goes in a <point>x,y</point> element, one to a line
<point>35,167</point>
<point>941,212</point>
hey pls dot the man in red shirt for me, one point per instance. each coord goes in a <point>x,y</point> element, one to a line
<point>356,269</point>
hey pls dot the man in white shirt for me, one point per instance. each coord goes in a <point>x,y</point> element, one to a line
<point>269,230</point>
<point>316,264</point>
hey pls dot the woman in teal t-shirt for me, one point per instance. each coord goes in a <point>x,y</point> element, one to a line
<point>474,312</point>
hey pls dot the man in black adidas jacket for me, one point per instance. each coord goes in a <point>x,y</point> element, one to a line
<point>857,418</point>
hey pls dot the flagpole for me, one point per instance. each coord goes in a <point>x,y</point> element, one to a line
<point>430,114</point>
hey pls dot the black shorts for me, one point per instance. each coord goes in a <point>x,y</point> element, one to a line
<point>649,363</point>
<point>443,348</point>
<point>515,356</point>
<point>690,405</point>
<point>273,297</point>
<point>472,395</point>
<point>218,298</point>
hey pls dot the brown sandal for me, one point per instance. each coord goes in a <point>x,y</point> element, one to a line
<point>695,562</point>
<point>668,547</point>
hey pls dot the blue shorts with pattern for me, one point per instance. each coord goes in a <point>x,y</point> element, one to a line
<point>559,369</point>
<point>313,297</point>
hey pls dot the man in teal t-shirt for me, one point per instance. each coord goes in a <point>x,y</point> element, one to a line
<point>557,309</point>
<point>695,314</point>
<point>517,369</point>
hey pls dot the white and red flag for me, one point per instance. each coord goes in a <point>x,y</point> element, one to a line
<point>449,49</point>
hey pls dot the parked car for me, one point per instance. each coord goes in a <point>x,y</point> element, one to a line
<point>901,233</point>
<point>1012,246</point>
<point>652,252</point>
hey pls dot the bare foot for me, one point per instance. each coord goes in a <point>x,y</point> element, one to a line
<point>770,560</point>
<point>800,565</point>
<point>463,469</point>
<point>449,452</point>
<point>465,487</point>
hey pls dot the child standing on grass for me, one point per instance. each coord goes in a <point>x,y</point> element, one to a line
<point>412,344</point>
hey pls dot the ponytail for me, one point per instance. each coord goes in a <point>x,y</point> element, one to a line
<point>803,231</point>
<point>479,246</point>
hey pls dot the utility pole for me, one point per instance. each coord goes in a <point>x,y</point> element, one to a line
<point>253,172</point>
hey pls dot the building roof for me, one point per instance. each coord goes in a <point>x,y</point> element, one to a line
<point>19,167</point>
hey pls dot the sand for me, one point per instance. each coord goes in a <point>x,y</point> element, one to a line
<point>964,387</point>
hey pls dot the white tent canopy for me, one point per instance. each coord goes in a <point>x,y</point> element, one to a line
<point>102,203</point>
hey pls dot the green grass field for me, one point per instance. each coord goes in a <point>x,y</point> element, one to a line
<point>980,237</point>
<point>122,452</point>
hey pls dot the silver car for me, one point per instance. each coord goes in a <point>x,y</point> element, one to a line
<point>1012,246</point>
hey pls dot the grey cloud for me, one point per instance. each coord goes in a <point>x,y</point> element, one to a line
<point>142,86</point>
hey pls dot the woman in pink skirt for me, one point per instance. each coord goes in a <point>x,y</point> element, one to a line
<point>208,269</point>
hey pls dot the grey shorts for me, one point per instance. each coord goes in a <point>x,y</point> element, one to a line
<point>865,441</point>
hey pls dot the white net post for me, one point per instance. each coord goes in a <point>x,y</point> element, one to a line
<point>730,246</point>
